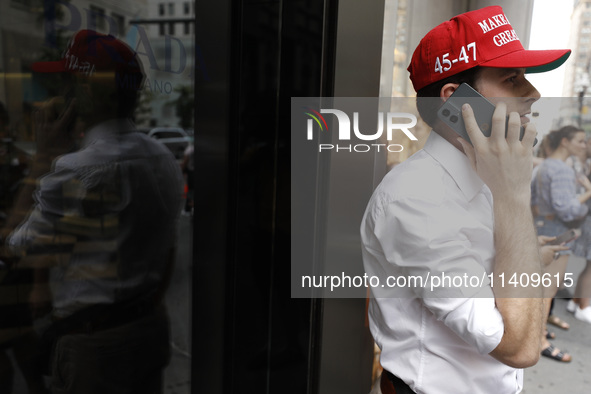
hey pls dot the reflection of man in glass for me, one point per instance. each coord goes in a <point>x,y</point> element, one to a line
<point>101,230</point>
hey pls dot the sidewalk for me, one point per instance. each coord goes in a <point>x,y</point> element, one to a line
<point>549,376</point>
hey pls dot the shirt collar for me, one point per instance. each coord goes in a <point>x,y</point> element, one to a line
<point>455,163</point>
<point>106,128</point>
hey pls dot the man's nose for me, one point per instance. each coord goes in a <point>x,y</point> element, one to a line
<point>531,92</point>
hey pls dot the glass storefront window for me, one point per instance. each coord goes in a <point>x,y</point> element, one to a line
<point>95,194</point>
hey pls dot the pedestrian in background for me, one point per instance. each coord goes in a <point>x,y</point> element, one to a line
<point>561,194</point>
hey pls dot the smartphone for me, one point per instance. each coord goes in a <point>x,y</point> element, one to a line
<point>451,112</point>
<point>566,237</point>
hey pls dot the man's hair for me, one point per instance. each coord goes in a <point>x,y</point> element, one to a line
<point>428,106</point>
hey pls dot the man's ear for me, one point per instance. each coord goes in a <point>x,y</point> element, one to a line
<point>447,90</point>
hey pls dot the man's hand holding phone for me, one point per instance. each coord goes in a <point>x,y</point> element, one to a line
<point>503,163</point>
<point>53,126</point>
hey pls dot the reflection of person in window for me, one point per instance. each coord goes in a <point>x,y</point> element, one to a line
<point>102,226</point>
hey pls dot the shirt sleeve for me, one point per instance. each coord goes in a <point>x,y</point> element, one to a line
<point>58,194</point>
<point>437,241</point>
<point>563,195</point>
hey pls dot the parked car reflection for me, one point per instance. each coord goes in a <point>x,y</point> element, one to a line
<point>174,138</point>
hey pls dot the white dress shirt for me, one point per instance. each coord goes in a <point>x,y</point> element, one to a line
<point>432,216</point>
<point>116,203</point>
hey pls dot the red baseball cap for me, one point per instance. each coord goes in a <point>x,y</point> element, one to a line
<point>89,52</point>
<point>482,37</point>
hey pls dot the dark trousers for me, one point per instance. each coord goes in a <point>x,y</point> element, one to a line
<point>125,359</point>
<point>394,385</point>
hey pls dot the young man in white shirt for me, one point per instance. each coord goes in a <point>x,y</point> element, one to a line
<point>433,216</point>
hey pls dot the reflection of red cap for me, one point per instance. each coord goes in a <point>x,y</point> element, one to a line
<point>477,38</point>
<point>89,51</point>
